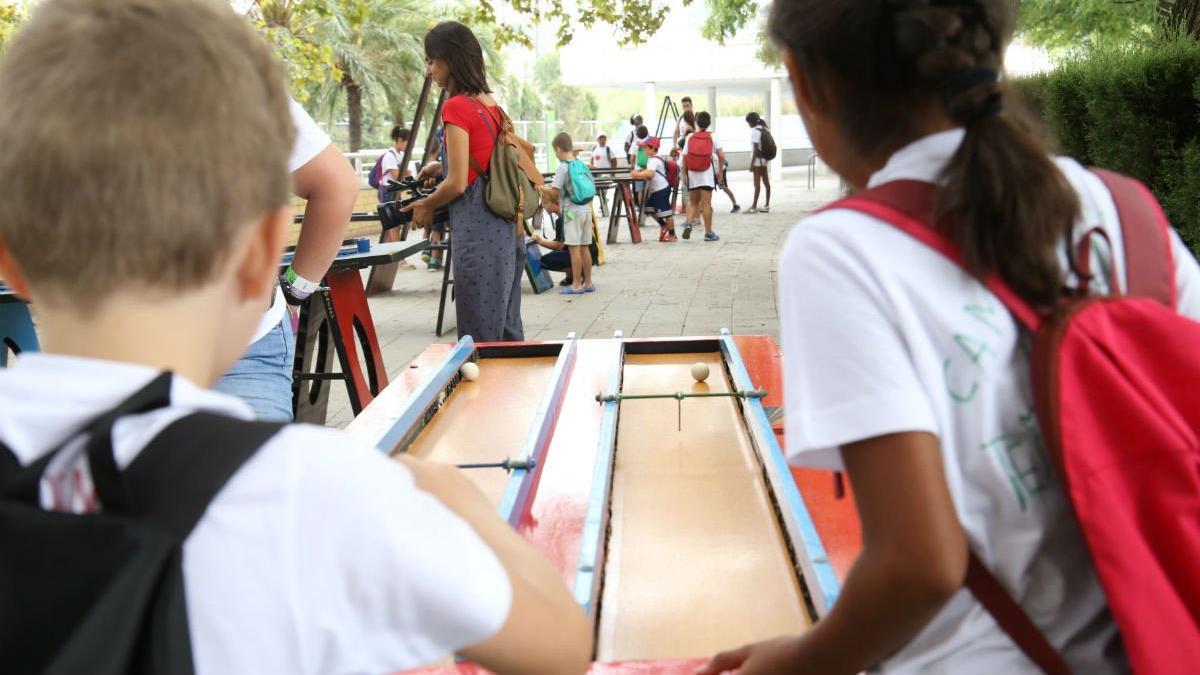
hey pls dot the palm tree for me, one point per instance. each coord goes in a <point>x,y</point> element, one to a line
<point>377,48</point>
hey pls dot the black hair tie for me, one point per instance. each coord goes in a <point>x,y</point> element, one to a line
<point>962,81</point>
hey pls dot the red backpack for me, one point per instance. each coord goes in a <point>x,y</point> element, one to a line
<point>672,171</point>
<point>1116,385</point>
<point>699,152</point>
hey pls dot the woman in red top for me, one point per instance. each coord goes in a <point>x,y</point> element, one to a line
<point>487,254</point>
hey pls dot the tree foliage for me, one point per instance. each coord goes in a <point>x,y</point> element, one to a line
<point>571,104</point>
<point>290,27</point>
<point>376,47</point>
<point>727,17</point>
<point>635,20</point>
<point>1069,24</point>
<point>11,16</point>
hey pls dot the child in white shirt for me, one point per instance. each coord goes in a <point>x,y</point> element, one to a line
<point>907,372</point>
<point>602,154</point>
<point>321,554</point>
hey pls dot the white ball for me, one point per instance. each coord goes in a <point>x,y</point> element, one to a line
<point>700,371</point>
<point>470,371</point>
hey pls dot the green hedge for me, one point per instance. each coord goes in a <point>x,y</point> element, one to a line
<point>1134,110</point>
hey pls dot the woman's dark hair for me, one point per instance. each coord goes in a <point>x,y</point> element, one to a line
<point>886,64</point>
<point>399,132</point>
<point>455,44</point>
<point>642,132</point>
<point>690,118</point>
<point>704,120</point>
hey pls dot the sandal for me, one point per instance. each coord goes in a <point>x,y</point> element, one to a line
<point>589,289</point>
<point>570,291</point>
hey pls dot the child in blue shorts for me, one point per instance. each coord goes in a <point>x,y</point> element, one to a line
<point>658,202</point>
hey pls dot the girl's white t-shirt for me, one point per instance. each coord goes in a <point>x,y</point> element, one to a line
<point>883,335</point>
<point>706,178</point>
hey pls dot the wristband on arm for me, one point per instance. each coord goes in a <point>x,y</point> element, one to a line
<point>296,288</point>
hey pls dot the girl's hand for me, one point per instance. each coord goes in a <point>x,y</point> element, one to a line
<point>422,215</point>
<point>781,655</point>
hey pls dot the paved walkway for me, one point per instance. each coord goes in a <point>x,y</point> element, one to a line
<point>647,290</point>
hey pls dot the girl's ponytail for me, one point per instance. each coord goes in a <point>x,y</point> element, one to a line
<point>885,63</point>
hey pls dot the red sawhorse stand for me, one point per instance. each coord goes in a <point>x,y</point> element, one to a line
<point>336,324</point>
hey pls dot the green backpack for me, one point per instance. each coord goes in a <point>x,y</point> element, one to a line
<point>512,177</point>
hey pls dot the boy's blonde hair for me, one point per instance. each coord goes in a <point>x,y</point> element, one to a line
<point>136,137</point>
<point>563,142</point>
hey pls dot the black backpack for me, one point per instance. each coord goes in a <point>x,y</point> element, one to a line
<point>103,592</point>
<point>766,145</point>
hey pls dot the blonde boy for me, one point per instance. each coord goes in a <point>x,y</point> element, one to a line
<point>577,218</point>
<point>320,554</point>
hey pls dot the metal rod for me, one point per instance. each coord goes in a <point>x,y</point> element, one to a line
<point>679,395</point>
<point>507,465</point>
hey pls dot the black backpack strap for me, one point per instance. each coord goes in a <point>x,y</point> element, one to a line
<point>173,479</point>
<point>9,464</point>
<point>23,484</point>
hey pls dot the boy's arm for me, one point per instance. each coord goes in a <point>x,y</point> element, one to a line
<point>546,631</point>
<point>330,186</point>
<point>546,243</point>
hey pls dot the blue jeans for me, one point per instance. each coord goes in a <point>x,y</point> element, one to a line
<point>263,376</point>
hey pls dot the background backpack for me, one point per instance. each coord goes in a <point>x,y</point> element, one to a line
<point>766,145</point>
<point>672,171</point>
<point>1115,389</point>
<point>699,152</point>
<point>375,178</point>
<point>581,185</point>
<point>511,174</point>
<point>103,592</point>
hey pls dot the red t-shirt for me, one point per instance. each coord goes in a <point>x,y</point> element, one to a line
<point>464,113</point>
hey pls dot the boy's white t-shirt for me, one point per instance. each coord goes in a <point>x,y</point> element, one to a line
<point>883,335</point>
<point>603,157</point>
<point>310,141</point>
<point>708,177</point>
<point>659,181</point>
<point>319,556</point>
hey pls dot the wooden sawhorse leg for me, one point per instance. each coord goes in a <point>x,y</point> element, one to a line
<point>447,283</point>
<point>346,302</point>
<point>337,324</point>
<point>633,211</point>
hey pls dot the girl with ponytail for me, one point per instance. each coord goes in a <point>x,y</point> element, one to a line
<point>903,370</point>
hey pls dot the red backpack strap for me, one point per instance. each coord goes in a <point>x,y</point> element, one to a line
<point>1012,619</point>
<point>907,205</point>
<point>1147,236</point>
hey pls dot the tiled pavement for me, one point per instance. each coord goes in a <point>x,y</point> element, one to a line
<point>646,290</point>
